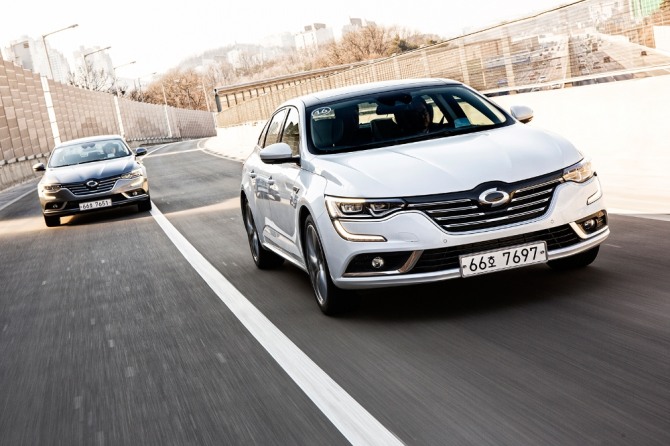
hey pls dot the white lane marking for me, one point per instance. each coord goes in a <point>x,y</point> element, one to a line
<point>16,199</point>
<point>348,416</point>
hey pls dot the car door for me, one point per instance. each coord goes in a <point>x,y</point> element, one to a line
<point>284,181</point>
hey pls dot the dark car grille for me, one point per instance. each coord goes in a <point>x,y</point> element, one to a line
<point>462,211</point>
<point>447,258</point>
<point>104,185</point>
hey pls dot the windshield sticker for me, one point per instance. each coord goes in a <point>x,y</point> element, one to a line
<point>321,112</point>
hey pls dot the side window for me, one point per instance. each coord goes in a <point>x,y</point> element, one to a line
<point>275,127</point>
<point>291,133</point>
<point>264,133</point>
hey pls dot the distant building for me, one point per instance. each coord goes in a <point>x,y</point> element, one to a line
<point>313,37</point>
<point>353,25</point>
<point>31,55</point>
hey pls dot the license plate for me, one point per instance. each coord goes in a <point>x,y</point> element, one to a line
<point>95,204</point>
<point>514,257</point>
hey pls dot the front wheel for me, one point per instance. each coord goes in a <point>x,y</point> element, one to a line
<point>331,300</point>
<point>577,261</point>
<point>263,258</point>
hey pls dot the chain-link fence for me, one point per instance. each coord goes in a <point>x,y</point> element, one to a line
<point>585,42</point>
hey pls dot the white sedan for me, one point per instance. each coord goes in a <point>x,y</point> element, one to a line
<point>414,181</point>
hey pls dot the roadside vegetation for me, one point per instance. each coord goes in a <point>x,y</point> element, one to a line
<point>190,85</point>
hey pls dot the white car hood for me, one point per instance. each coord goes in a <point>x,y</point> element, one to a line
<point>450,164</point>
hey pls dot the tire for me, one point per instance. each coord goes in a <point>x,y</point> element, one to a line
<point>263,258</point>
<point>331,300</point>
<point>574,262</point>
<point>51,221</point>
<point>144,206</point>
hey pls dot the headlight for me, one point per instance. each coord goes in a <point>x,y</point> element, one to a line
<point>361,208</point>
<point>51,187</point>
<point>580,172</point>
<point>130,175</point>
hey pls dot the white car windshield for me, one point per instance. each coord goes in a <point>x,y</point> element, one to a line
<point>400,116</point>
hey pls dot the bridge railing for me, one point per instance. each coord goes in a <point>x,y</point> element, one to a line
<point>585,42</point>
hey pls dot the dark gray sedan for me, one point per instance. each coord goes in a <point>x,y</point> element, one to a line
<point>90,174</point>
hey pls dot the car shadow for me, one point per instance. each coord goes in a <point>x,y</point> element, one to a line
<point>103,216</point>
<point>462,298</point>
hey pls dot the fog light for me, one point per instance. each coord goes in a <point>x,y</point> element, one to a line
<point>134,193</point>
<point>589,224</point>
<point>377,262</point>
<point>54,206</point>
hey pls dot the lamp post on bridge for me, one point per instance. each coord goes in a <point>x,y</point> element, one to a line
<point>93,52</point>
<point>116,82</point>
<point>46,50</point>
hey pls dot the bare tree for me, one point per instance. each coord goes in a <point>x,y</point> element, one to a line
<point>372,42</point>
<point>90,79</point>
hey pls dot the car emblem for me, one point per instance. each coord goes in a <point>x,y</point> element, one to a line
<point>92,184</point>
<point>494,197</point>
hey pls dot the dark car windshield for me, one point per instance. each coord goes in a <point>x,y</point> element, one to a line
<point>87,152</point>
<point>391,118</point>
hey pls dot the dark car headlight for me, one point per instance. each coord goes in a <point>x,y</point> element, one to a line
<point>360,209</point>
<point>51,187</point>
<point>356,208</point>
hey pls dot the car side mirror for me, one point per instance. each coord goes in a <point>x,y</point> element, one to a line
<point>140,151</point>
<point>522,113</point>
<point>277,153</point>
<point>39,167</point>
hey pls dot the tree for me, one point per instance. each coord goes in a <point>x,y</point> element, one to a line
<point>90,79</point>
<point>372,42</point>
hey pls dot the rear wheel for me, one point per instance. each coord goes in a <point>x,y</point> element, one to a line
<point>263,258</point>
<point>577,261</point>
<point>331,300</point>
<point>51,221</point>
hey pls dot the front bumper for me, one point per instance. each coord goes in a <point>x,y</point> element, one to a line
<point>419,251</point>
<point>123,193</point>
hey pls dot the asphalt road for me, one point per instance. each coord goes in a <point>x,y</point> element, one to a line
<point>110,336</point>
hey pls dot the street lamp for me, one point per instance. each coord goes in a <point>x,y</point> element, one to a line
<point>93,52</point>
<point>116,83</point>
<point>44,42</point>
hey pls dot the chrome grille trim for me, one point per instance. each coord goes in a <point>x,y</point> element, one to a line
<point>464,213</point>
<point>79,189</point>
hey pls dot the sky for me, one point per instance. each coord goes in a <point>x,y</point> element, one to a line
<point>159,35</point>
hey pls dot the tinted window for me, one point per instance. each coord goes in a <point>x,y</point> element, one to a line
<point>291,132</point>
<point>395,117</point>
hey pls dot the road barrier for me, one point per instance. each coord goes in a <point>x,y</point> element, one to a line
<point>36,113</point>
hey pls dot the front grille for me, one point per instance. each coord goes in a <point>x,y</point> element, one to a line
<point>463,212</point>
<point>447,258</point>
<point>104,185</point>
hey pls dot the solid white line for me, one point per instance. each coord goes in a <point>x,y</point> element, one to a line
<point>348,416</point>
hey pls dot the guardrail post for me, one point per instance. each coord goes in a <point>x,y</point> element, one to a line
<point>50,109</point>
